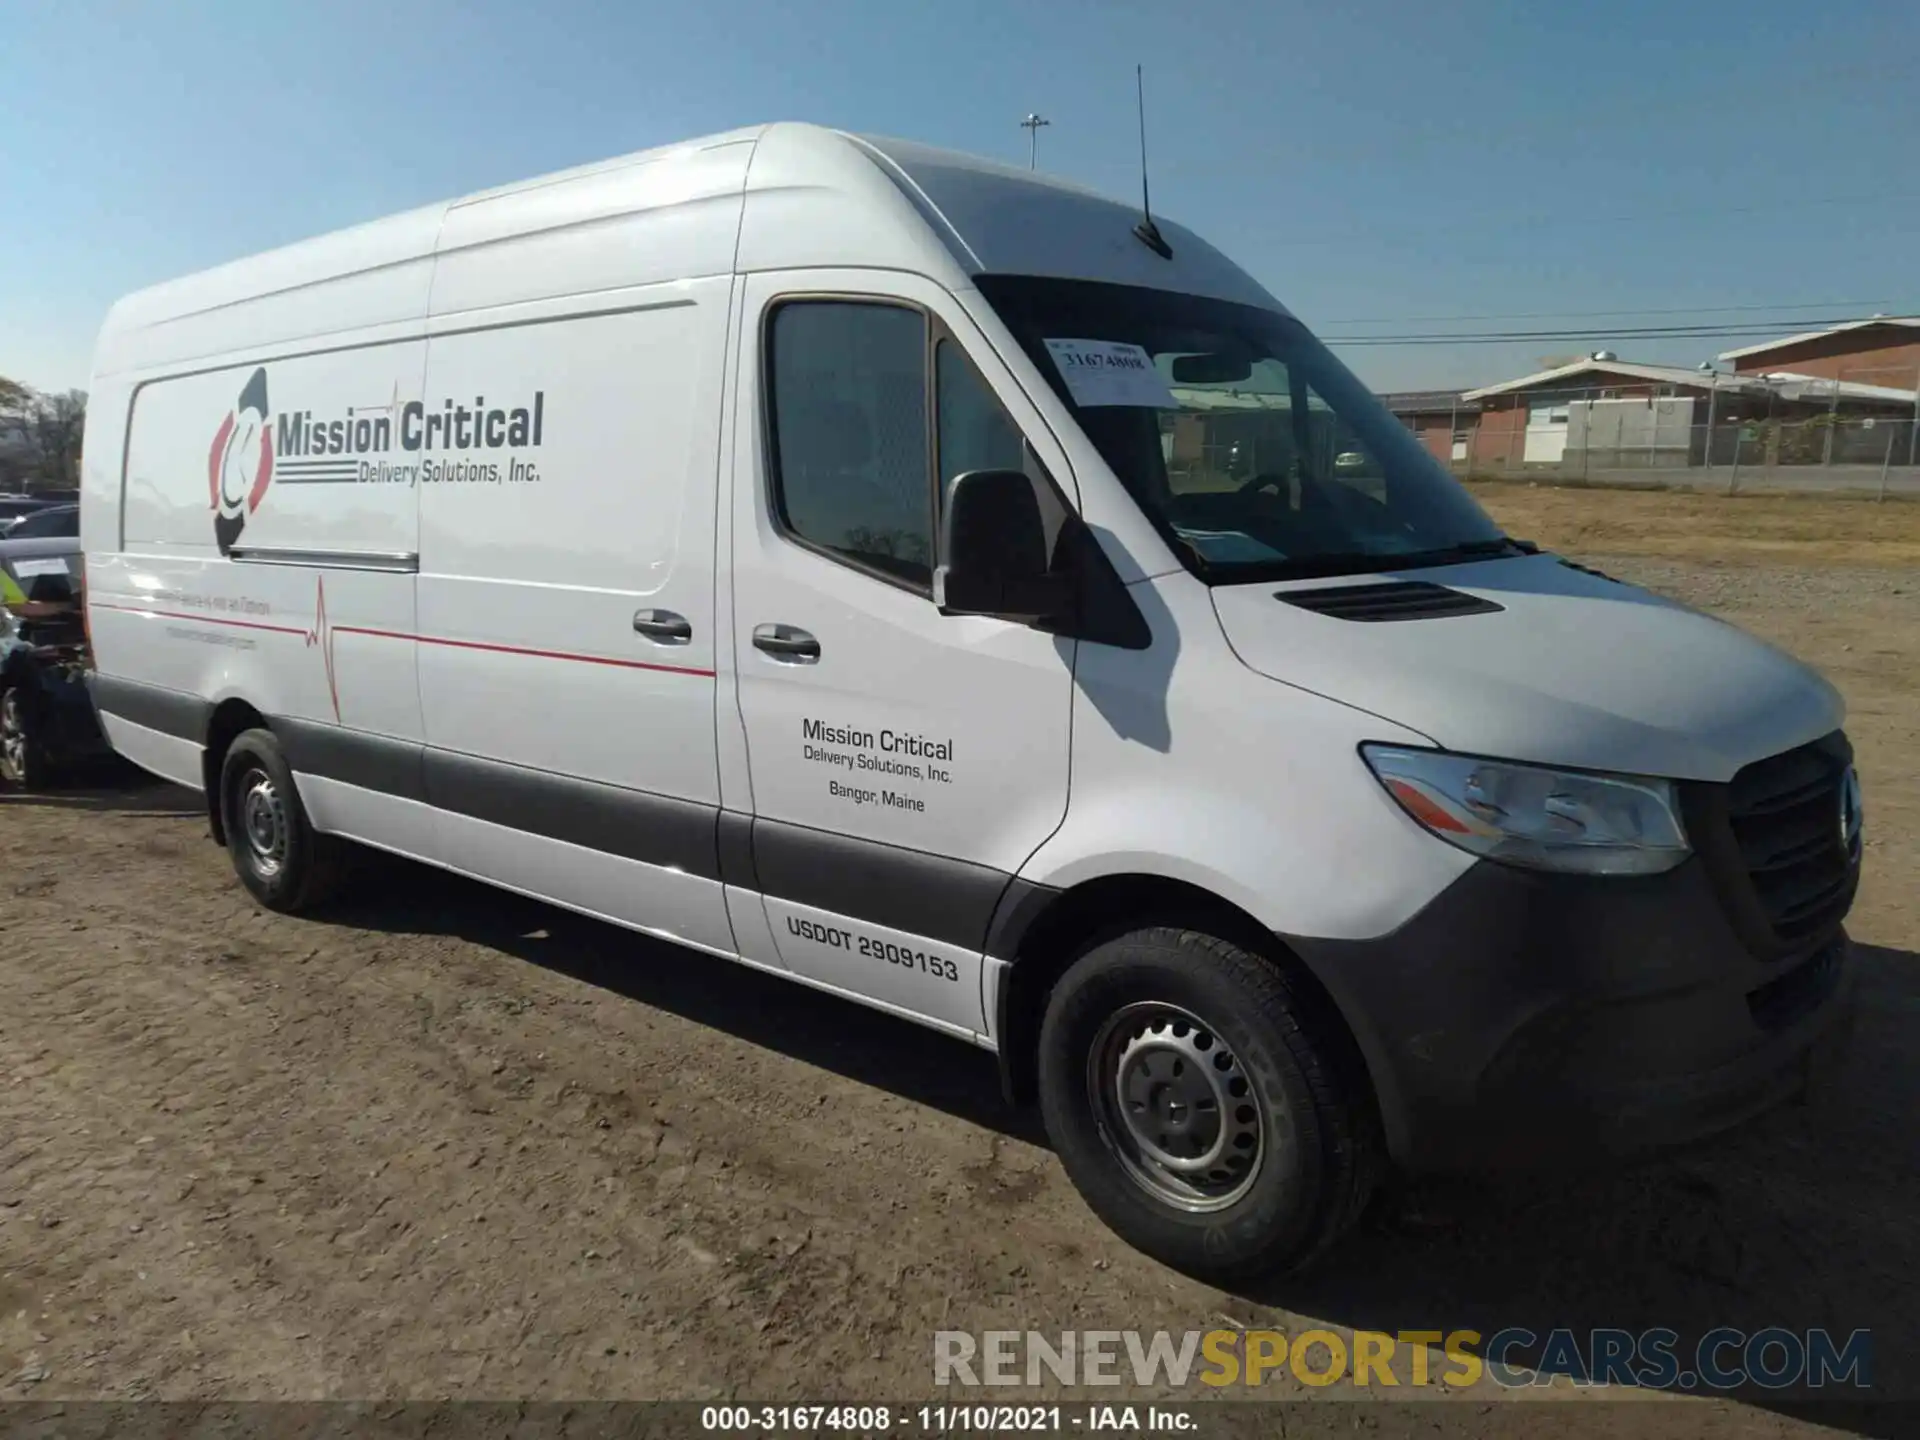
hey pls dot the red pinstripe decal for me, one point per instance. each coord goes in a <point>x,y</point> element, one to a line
<point>320,630</point>
<point>322,636</point>
<point>199,619</point>
<point>524,650</point>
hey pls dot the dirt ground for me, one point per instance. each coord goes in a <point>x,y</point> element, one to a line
<point>444,1142</point>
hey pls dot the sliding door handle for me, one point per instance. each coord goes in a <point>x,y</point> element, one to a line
<point>663,626</point>
<point>788,644</point>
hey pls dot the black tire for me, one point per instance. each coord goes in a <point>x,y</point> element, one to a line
<point>24,759</point>
<point>1308,1155</point>
<point>286,864</point>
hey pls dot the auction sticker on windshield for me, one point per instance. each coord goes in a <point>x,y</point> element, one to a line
<point>1110,372</point>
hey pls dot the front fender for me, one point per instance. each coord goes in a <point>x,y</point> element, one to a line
<point>1188,765</point>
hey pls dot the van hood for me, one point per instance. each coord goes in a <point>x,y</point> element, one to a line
<point>1572,669</point>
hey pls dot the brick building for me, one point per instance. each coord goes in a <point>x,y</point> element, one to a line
<point>1883,351</point>
<point>1601,403</point>
<point>1603,413</point>
<point>1440,418</point>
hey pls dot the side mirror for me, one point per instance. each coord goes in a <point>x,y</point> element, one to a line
<point>993,552</point>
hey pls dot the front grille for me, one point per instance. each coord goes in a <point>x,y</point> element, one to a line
<point>1785,814</point>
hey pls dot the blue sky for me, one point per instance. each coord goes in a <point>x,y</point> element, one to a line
<point>1370,162</point>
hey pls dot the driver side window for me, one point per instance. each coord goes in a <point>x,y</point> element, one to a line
<point>975,433</point>
<point>855,452</point>
<point>851,476</point>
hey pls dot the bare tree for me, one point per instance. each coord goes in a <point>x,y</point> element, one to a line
<point>16,445</point>
<point>40,436</point>
<point>58,426</point>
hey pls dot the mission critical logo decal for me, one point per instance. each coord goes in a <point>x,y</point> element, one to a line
<point>395,443</point>
<point>240,465</point>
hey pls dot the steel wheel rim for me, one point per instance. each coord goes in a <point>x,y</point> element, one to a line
<point>263,822</point>
<point>1175,1107</point>
<point>13,733</point>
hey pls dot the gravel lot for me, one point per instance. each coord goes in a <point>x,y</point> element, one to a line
<point>446,1142</point>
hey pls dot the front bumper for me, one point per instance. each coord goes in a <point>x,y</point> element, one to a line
<point>1524,1018</point>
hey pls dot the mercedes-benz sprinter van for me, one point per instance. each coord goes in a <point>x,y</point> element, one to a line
<point>950,589</point>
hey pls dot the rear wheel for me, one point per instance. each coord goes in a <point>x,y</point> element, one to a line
<point>1203,1105</point>
<point>24,760</point>
<point>279,856</point>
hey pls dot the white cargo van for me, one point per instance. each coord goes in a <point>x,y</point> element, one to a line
<point>945,587</point>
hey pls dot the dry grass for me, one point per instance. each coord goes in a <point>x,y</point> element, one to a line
<point>1749,529</point>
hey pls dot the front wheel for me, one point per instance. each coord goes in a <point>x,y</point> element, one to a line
<point>279,856</point>
<point>24,760</point>
<point>1205,1108</point>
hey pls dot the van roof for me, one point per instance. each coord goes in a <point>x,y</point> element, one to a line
<point>815,197</point>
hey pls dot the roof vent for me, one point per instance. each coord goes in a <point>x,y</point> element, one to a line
<point>1388,600</point>
<point>1603,355</point>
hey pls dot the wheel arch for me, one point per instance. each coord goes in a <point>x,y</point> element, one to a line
<point>230,719</point>
<point>1040,933</point>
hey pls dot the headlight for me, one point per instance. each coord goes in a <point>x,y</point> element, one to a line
<point>1539,818</point>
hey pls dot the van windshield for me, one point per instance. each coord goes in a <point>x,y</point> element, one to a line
<point>1252,449</point>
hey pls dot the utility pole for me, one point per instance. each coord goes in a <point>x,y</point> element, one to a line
<point>1032,126</point>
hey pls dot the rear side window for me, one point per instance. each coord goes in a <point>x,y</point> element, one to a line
<point>852,469</point>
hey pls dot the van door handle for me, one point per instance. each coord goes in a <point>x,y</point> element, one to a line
<point>663,626</point>
<point>788,644</point>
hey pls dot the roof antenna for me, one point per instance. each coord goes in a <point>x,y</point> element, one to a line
<point>1146,231</point>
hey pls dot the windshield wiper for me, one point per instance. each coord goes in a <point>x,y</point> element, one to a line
<point>1473,550</point>
<point>1367,562</point>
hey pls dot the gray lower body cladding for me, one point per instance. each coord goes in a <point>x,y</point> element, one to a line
<point>1524,1018</point>
<point>887,885</point>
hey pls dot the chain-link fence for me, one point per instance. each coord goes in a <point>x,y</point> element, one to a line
<point>1856,430</point>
